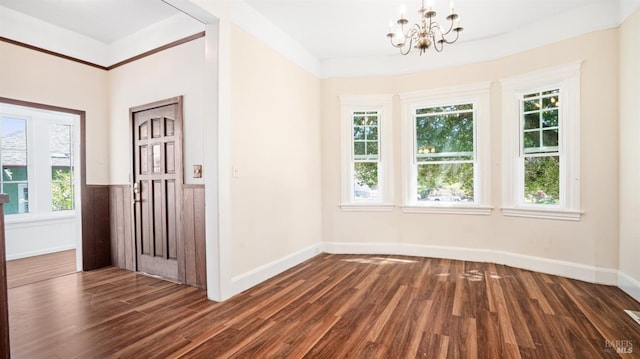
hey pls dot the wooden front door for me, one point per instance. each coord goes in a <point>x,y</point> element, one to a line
<point>157,188</point>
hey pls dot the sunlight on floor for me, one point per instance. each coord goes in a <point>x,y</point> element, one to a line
<point>379,260</point>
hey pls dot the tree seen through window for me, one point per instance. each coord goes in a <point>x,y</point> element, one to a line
<point>444,153</point>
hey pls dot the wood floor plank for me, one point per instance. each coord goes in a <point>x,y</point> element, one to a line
<point>34,269</point>
<point>422,310</point>
<point>396,336</point>
<point>332,306</point>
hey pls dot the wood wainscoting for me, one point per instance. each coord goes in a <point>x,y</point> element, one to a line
<point>123,252</point>
<point>193,228</point>
<point>96,251</point>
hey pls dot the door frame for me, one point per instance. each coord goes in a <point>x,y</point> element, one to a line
<point>84,242</point>
<point>178,101</point>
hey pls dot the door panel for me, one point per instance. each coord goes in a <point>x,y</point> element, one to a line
<point>158,190</point>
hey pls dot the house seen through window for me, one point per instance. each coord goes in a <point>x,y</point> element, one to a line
<point>13,151</point>
<point>37,157</point>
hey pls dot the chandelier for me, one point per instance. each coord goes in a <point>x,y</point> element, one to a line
<point>428,32</point>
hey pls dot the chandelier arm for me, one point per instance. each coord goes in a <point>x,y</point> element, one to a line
<point>451,25</point>
<point>435,44</point>
<point>454,40</point>
<point>391,41</point>
<point>408,47</point>
<point>415,31</point>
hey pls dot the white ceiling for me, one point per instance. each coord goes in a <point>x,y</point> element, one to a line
<point>327,37</point>
<point>104,20</point>
<point>355,28</point>
<point>327,29</point>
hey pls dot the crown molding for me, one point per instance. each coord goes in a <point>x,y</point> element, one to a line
<point>34,32</point>
<point>30,32</point>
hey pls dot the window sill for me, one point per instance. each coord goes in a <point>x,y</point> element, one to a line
<point>367,207</point>
<point>542,213</point>
<point>448,209</point>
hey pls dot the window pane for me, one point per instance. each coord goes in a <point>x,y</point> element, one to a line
<point>550,138</point>
<point>532,139</point>
<point>14,173</point>
<point>365,135</point>
<point>446,134</point>
<point>14,135</point>
<point>13,149</point>
<point>531,121</point>
<point>372,148</point>
<point>542,179</point>
<point>60,150</point>
<point>550,118</point>
<point>365,180</point>
<point>372,133</point>
<point>61,189</point>
<point>445,182</point>
<point>18,198</point>
<point>531,105</point>
<point>358,120</point>
<point>372,120</point>
<point>540,125</point>
<point>550,102</point>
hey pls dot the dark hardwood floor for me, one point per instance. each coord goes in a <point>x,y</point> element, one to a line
<point>34,269</point>
<point>332,306</point>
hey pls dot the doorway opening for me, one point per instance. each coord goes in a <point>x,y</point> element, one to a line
<point>42,171</point>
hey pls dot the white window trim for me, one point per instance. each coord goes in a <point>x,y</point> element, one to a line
<point>384,104</point>
<point>567,79</point>
<point>40,195</point>
<point>478,94</point>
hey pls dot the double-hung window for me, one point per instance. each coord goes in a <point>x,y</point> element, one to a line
<point>445,153</point>
<point>38,158</point>
<point>541,144</point>
<point>445,150</point>
<point>366,152</point>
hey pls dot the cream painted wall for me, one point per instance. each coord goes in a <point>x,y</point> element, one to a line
<point>32,76</point>
<point>275,151</point>
<point>592,242</point>
<point>173,72</point>
<point>630,149</point>
<point>29,75</point>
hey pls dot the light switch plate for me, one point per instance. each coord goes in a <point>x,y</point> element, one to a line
<point>197,171</point>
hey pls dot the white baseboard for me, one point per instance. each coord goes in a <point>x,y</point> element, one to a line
<point>544,265</point>
<point>630,285</point>
<point>40,252</point>
<point>262,273</point>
